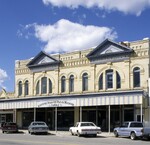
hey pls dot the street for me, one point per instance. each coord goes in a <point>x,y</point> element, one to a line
<point>52,139</point>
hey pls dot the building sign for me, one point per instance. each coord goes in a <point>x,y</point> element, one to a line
<point>56,103</point>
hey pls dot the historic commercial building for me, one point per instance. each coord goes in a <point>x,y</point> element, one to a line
<point>106,85</point>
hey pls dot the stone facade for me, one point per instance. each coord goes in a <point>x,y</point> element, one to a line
<point>109,58</point>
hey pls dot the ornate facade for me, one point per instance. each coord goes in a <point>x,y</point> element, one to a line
<point>107,85</point>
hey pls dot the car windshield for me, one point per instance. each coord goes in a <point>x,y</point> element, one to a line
<point>87,124</point>
<point>38,123</point>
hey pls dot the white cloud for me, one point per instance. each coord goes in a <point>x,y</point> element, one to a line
<point>65,36</point>
<point>125,6</point>
<point>3,76</point>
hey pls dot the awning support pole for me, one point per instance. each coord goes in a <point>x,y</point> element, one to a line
<point>34,114</point>
<point>141,114</point>
<point>109,118</point>
<point>80,114</point>
<point>56,119</point>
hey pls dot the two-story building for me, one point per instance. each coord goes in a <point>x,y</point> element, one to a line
<point>106,85</point>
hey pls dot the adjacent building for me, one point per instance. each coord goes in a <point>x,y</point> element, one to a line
<point>107,85</point>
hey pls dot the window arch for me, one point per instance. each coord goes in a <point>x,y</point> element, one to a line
<point>71,83</point>
<point>26,89</point>
<point>85,82</point>
<point>136,77</point>
<point>101,82</point>
<point>44,86</point>
<point>63,84</point>
<point>20,88</point>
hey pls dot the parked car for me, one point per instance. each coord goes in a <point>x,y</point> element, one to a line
<point>133,130</point>
<point>85,128</point>
<point>9,127</point>
<point>38,127</point>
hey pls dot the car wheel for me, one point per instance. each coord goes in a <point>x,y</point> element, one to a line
<point>116,133</point>
<point>133,136</point>
<point>78,134</point>
<point>3,131</point>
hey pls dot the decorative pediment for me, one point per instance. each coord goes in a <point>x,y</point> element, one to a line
<point>109,48</point>
<point>109,51</point>
<point>42,59</point>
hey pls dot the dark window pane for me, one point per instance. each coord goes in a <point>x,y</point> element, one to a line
<point>101,82</point>
<point>20,88</point>
<point>85,82</point>
<point>118,80</point>
<point>27,87</point>
<point>109,79</point>
<point>63,84</point>
<point>37,88</point>
<point>71,83</point>
<point>44,85</point>
<point>136,77</point>
<point>50,86</point>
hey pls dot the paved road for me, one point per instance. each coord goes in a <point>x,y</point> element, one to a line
<point>64,139</point>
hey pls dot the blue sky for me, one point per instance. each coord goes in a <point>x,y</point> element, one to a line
<point>55,26</point>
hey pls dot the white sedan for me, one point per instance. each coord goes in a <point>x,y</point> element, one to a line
<point>85,128</point>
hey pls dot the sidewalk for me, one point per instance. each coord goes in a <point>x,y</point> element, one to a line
<point>67,133</point>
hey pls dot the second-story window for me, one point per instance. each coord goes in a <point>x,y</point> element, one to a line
<point>101,82</point>
<point>26,89</point>
<point>85,82</point>
<point>71,83</point>
<point>50,86</point>
<point>109,79</point>
<point>38,88</point>
<point>20,88</point>
<point>118,81</point>
<point>136,77</point>
<point>63,84</point>
<point>44,85</point>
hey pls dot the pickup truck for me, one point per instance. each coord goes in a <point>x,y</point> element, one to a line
<point>85,128</point>
<point>133,130</point>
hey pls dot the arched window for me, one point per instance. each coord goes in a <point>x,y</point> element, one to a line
<point>26,89</point>
<point>44,85</point>
<point>63,84</point>
<point>71,83</point>
<point>101,82</point>
<point>85,82</point>
<point>50,86</point>
<point>38,87</point>
<point>20,88</point>
<point>118,80</point>
<point>136,77</point>
<point>109,79</point>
